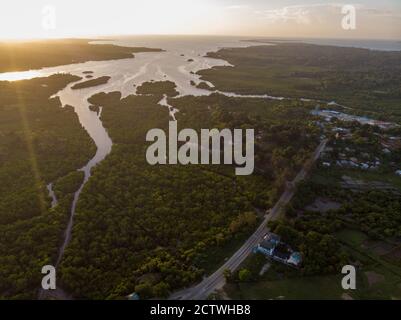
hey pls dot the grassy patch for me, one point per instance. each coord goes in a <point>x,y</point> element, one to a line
<point>320,287</point>
<point>352,237</point>
<point>390,178</point>
<point>387,286</point>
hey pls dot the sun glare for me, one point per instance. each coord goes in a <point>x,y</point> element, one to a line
<point>15,76</point>
<point>64,19</point>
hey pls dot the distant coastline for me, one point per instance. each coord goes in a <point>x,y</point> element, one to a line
<point>372,44</point>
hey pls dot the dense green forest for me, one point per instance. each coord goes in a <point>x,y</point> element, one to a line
<point>150,229</point>
<point>284,131</point>
<point>40,143</point>
<point>20,56</point>
<point>155,229</point>
<point>365,80</point>
<point>375,212</point>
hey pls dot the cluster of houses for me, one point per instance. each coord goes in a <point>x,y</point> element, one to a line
<point>345,161</point>
<point>389,143</point>
<point>365,161</point>
<point>353,162</point>
<point>273,248</point>
<point>330,114</point>
<point>347,158</point>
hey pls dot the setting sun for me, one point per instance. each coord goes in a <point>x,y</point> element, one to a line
<point>22,75</point>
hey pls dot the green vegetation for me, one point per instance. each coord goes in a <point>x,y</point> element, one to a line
<point>40,143</point>
<point>377,213</point>
<point>154,229</point>
<point>372,283</point>
<point>385,177</point>
<point>150,210</point>
<point>21,56</point>
<point>364,232</point>
<point>221,250</point>
<point>321,251</point>
<point>305,288</point>
<point>91,83</point>
<point>365,229</point>
<point>363,79</point>
<point>204,85</point>
<point>158,88</point>
<point>68,184</point>
<point>350,236</point>
<point>376,277</point>
<point>284,133</point>
<point>244,275</point>
<point>280,282</point>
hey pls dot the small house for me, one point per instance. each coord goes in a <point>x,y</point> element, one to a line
<point>266,247</point>
<point>273,238</point>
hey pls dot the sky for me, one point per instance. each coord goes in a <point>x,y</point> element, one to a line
<point>20,19</point>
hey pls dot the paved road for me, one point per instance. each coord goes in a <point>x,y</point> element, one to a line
<point>216,280</point>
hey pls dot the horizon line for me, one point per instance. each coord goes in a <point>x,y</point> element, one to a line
<point>245,37</point>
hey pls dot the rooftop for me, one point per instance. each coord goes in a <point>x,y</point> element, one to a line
<point>272,237</point>
<point>267,244</point>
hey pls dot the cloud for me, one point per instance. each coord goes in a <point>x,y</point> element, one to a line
<point>381,12</point>
<point>320,13</point>
<point>301,14</point>
<point>237,7</point>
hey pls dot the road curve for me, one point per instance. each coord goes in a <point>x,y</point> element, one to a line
<point>216,280</point>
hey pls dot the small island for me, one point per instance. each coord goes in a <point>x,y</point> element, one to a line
<point>91,83</point>
<point>203,85</point>
<point>158,88</point>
